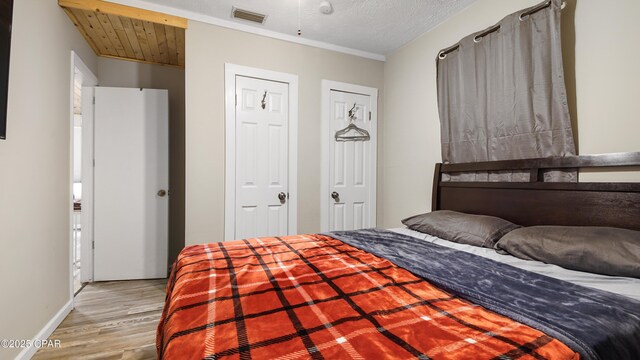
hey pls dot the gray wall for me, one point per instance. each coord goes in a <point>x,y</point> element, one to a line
<point>121,73</point>
<point>35,170</point>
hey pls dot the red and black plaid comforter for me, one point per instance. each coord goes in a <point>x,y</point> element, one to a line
<point>312,296</point>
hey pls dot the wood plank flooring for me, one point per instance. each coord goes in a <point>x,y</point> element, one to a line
<point>111,320</point>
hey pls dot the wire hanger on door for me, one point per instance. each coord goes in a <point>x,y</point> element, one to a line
<point>360,134</point>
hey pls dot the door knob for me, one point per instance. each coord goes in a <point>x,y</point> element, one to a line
<point>283,197</point>
<point>335,196</point>
<point>162,193</point>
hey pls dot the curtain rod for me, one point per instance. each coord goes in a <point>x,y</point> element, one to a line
<point>477,38</point>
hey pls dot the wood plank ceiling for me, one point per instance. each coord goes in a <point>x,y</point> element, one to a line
<point>123,32</point>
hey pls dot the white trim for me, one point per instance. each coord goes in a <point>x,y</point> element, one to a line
<point>46,331</point>
<point>191,15</point>
<point>88,78</point>
<point>326,87</point>
<point>88,136</point>
<point>230,73</point>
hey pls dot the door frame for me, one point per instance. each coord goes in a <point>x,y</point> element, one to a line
<point>88,79</point>
<point>325,188</point>
<point>230,73</point>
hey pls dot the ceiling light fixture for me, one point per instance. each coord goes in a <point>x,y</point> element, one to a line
<point>326,7</point>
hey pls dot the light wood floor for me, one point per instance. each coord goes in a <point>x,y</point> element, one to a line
<point>111,320</point>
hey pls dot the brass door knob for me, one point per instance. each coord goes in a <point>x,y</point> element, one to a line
<point>162,193</point>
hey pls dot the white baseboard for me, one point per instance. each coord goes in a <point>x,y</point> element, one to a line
<point>46,331</point>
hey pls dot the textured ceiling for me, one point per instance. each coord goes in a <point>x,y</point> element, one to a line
<point>375,26</point>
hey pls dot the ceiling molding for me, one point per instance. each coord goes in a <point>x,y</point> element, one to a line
<point>246,28</point>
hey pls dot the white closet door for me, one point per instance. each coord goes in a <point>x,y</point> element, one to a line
<point>131,179</point>
<point>262,162</point>
<point>350,172</point>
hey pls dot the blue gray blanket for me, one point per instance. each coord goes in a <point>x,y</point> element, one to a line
<point>597,324</point>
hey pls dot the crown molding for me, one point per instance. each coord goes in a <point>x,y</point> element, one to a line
<point>191,15</point>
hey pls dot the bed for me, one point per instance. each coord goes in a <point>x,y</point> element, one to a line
<point>373,293</point>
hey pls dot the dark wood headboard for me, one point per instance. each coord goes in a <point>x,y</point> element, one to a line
<point>614,204</point>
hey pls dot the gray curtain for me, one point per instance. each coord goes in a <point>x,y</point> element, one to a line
<point>502,96</point>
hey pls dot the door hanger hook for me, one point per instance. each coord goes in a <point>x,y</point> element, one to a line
<point>353,112</point>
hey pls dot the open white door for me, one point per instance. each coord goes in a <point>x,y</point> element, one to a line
<point>131,179</point>
<point>349,167</point>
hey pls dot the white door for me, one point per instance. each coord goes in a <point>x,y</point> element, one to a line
<point>262,161</point>
<point>131,179</point>
<point>351,164</point>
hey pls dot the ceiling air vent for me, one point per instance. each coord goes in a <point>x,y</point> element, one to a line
<point>248,15</point>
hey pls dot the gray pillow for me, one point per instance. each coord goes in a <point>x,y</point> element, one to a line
<point>601,250</point>
<point>477,230</point>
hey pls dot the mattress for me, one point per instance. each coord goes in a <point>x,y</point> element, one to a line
<point>625,286</point>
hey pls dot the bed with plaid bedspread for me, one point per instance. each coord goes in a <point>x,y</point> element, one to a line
<point>314,296</point>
